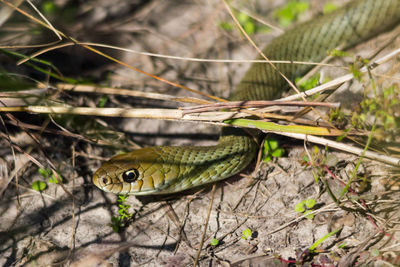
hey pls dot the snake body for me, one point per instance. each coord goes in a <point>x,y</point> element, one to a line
<point>164,169</point>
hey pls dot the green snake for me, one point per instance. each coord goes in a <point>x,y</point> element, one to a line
<point>165,169</point>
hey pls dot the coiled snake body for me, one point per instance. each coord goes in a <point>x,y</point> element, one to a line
<point>164,169</point>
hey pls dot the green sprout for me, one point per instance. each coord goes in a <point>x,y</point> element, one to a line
<point>249,25</point>
<point>339,53</point>
<point>305,207</point>
<point>120,221</point>
<point>246,234</point>
<point>310,83</point>
<point>329,7</point>
<point>49,8</point>
<point>39,186</point>
<point>271,149</point>
<point>290,12</point>
<point>319,241</point>
<point>48,174</point>
<point>102,101</point>
<point>214,242</point>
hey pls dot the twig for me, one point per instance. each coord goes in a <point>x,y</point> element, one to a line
<point>254,104</point>
<point>344,147</point>
<point>127,92</point>
<point>205,227</point>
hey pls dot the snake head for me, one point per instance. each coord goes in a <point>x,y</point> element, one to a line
<point>136,172</point>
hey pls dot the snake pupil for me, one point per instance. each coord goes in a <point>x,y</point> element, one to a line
<point>130,176</point>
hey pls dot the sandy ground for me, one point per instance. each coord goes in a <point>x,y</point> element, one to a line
<point>71,225</point>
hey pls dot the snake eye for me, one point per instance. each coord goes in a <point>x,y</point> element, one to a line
<point>130,176</point>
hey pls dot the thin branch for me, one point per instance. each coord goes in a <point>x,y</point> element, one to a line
<point>127,92</point>
<point>254,104</point>
<point>205,226</point>
<point>344,147</point>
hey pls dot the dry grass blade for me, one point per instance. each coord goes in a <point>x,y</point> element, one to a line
<point>128,92</point>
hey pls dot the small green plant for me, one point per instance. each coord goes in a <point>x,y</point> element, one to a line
<point>305,207</point>
<point>48,174</point>
<point>246,234</point>
<point>322,239</point>
<point>249,25</point>
<point>214,242</point>
<point>291,11</point>
<point>310,83</point>
<point>329,7</point>
<point>383,107</point>
<point>339,53</point>
<point>39,186</point>
<point>120,221</point>
<point>271,149</point>
<point>339,118</point>
<point>355,67</point>
<point>49,8</point>
<point>102,101</point>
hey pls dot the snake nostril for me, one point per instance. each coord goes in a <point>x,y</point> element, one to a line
<point>104,180</point>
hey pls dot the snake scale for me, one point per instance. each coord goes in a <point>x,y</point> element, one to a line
<point>165,169</point>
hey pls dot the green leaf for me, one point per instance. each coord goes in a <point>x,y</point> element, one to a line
<point>290,12</point>
<point>44,172</point>
<point>339,53</point>
<point>310,203</point>
<point>115,228</point>
<point>115,219</point>
<point>329,7</point>
<point>53,180</point>
<point>267,158</point>
<point>309,83</point>
<point>300,207</point>
<point>242,18</point>
<point>310,215</point>
<point>102,101</point>
<point>249,27</point>
<point>214,242</point>
<point>49,7</point>
<point>271,149</point>
<point>226,26</point>
<point>278,153</point>
<point>246,234</point>
<point>272,143</point>
<point>319,241</point>
<point>39,186</point>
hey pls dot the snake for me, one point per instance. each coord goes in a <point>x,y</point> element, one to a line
<point>170,169</point>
